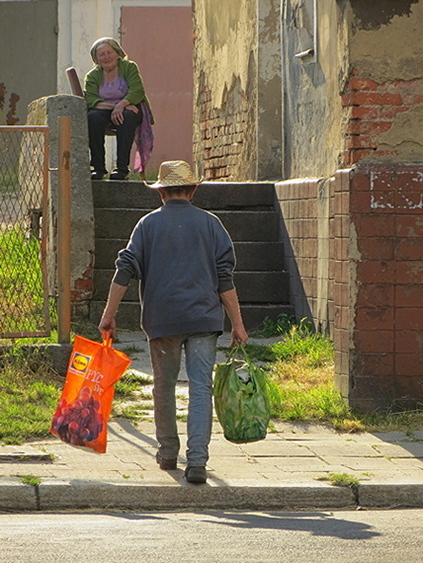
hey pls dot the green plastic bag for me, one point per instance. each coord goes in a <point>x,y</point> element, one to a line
<point>240,399</point>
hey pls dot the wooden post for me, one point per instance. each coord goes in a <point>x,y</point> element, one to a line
<point>64,230</point>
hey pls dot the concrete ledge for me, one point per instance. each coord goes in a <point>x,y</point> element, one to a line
<point>15,496</point>
<point>404,495</point>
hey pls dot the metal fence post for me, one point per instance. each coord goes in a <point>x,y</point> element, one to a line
<point>64,229</point>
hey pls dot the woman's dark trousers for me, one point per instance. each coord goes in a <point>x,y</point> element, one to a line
<point>98,123</point>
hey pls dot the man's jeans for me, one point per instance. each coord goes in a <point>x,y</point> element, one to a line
<point>200,355</point>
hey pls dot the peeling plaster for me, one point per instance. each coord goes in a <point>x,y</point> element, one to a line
<point>404,60</point>
<point>374,14</point>
<point>230,42</point>
<point>407,127</point>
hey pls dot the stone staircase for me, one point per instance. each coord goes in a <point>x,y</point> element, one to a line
<point>246,210</point>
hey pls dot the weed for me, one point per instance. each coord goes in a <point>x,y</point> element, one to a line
<point>269,328</point>
<point>30,480</point>
<point>29,391</point>
<point>341,480</point>
<point>133,412</point>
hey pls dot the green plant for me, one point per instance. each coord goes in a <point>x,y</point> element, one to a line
<point>133,412</point>
<point>341,480</point>
<point>21,282</point>
<point>30,480</point>
<point>29,391</point>
<point>300,341</point>
<point>271,328</point>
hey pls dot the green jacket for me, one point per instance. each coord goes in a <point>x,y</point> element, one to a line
<point>129,71</point>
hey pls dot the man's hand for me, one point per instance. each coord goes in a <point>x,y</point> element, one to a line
<point>107,327</point>
<point>239,336</point>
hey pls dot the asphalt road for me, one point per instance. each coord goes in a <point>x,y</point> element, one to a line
<point>214,537</point>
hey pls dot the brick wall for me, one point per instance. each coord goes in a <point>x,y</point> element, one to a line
<point>373,108</point>
<point>306,224</point>
<point>377,285</point>
<point>223,146</point>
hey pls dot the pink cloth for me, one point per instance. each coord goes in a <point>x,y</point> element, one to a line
<point>144,140</point>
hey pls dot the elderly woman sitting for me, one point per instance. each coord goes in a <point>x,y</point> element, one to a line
<point>115,94</point>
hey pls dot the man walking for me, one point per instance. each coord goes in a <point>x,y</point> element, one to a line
<point>184,259</point>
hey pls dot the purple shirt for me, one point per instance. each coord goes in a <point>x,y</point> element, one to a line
<point>115,91</point>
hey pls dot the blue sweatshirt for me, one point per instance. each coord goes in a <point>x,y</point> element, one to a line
<point>184,258</point>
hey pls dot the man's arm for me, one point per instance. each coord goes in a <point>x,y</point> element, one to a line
<point>107,325</point>
<point>230,302</point>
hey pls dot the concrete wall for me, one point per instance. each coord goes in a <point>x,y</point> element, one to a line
<point>46,111</point>
<point>28,56</point>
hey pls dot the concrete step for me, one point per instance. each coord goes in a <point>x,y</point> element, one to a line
<point>210,195</point>
<point>243,225</point>
<point>250,256</point>
<point>252,287</point>
<point>247,211</point>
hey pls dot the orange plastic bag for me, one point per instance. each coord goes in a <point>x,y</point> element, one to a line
<point>86,401</point>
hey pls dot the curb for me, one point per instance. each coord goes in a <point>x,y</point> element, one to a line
<point>85,495</point>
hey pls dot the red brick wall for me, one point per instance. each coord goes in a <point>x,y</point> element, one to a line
<point>378,290</point>
<point>373,108</point>
<point>223,146</point>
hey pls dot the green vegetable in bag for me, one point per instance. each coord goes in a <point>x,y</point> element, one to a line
<point>240,399</point>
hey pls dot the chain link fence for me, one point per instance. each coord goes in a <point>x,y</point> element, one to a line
<point>24,296</point>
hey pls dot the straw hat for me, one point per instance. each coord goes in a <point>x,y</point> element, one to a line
<point>175,174</point>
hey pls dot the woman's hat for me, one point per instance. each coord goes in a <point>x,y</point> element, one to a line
<point>175,174</point>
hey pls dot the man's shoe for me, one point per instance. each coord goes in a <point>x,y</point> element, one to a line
<point>96,175</point>
<point>196,474</point>
<point>166,464</point>
<point>119,174</point>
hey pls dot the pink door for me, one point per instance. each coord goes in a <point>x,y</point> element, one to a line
<point>160,40</point>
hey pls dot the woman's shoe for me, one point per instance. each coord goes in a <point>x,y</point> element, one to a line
<point>96,175</point>
<point>119,174</point>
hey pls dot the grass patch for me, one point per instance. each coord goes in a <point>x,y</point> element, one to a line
<point>129,385</point>
<point>134,412</point>
<point>269,328</point>
<point>21,282</point>
<point>341,480</point>
<point>29,391</point>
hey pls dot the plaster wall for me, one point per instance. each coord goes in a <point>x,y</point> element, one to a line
<point>313,121</point>
<point>28,51</point>
<point>385,47</point>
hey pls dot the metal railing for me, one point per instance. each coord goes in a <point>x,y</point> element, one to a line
<point>24,294</point>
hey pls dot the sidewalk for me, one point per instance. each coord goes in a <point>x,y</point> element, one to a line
<point>284,471</point>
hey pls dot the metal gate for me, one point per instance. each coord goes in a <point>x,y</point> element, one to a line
<point>24,295</point>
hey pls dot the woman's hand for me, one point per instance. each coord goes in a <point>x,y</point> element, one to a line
<point>133,108</point>
<point>117,113</point>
